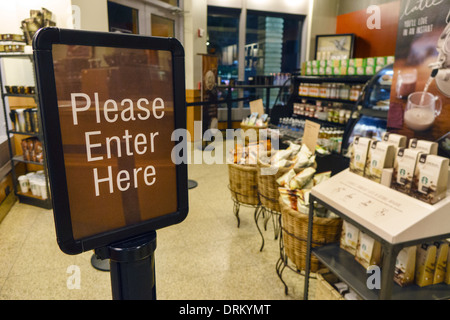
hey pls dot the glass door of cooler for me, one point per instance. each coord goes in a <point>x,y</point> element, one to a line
<point>372,108</point>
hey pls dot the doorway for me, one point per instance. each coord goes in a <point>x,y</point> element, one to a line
<point>150,18</point>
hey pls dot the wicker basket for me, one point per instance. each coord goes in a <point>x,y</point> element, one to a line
<point>324,288</point>
<point>245,127</point>
<point>268,187</point>
<point>295,230</point>
<point>243,183</point>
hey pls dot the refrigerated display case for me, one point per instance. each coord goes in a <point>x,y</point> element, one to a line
<point>371,111</point>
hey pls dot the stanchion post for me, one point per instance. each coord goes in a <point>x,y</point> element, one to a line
<point>132,267</point>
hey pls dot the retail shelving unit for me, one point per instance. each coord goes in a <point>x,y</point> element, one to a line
<point>349,104</point>
<point>394,219</point>
<point>27,198</point>
<point>288,134</point>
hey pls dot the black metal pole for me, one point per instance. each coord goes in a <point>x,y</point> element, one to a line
<point>308,246</point>
<point>133,268</point>
<point>229,106</point>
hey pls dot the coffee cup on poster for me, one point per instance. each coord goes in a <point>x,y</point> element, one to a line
<point>406,83</point>
<point>421,110</point>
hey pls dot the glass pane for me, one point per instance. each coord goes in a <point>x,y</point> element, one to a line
<point>223,39</point>
<point>171,2</point>
<point>162,27</point>
<point>272,44</point>
<point>122,18</point>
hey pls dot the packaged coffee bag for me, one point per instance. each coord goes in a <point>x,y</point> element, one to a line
<point>358,155</point>
<point>368,251</point>
<point>424,146</point>
<point>349,237</point>
<point>425,264</point>
<point>380,156</point>
<point>405,266</point>
<point>430,178</point>
<point>441,261</point>
<point>404,168</point>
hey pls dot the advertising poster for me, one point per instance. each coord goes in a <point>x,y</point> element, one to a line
<point>420,93</point>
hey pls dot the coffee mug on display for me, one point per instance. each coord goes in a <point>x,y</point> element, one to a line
<point>406,83</point>
<point>421,110</point>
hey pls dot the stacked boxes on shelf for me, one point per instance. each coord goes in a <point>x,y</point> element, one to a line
<point>347,67</point>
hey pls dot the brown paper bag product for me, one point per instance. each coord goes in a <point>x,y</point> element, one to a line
<point>447,272</point>
<point>358,157</point>
<point>405,266</point>
<point>430,178</point>
<point>404,168</point>
<point>380,156</point>
<point>441,261</point>
<point>424,146</point>
<point>349,237</point>
<point>398,140</point>
<point>368,251</point>
<point>425,264</point>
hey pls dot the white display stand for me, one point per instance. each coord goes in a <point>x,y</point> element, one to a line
<point>394,216</point>
<point>394,219</point>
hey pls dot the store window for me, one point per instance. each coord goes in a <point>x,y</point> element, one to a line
<point>223,41</point>
<point>122,18</point>
<point>162,27</point>
<point>159,18</point>
<point>272,45</point>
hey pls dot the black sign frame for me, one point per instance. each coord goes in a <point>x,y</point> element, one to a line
<point>43,41</point>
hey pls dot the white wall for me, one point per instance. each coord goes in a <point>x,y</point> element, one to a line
<point>195,17</point>
<point>323,21</point>
<point>93,14</point>
<point>12,12</point>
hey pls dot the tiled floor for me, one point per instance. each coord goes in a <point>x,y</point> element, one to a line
<point>206,257</point>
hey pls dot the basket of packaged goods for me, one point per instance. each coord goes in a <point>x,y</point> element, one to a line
<point>252,126</point>
<point>242,174</point>
<point>272,166</point>
<point>294,203</point>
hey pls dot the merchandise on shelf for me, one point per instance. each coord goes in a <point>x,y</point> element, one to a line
<point>355,66</point>
<point>332,112</point>
<point>38,19</point>
<point>358,155</point>
<point>415,172</point>
<point>20,89</point>
<point>404,168</point>
<point>380,156</point>
<point>349,237</point>
<point>35,183</point>
<point>441,261</point>
<point>368,251</point>
<point>405,265</point>
<point>424,264</point>
<point>340,91</point>
<point>32,150</point>
<point>256,120</point>
<point>430,178</point>
<point>424,146</point>
<point>25,120</point>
